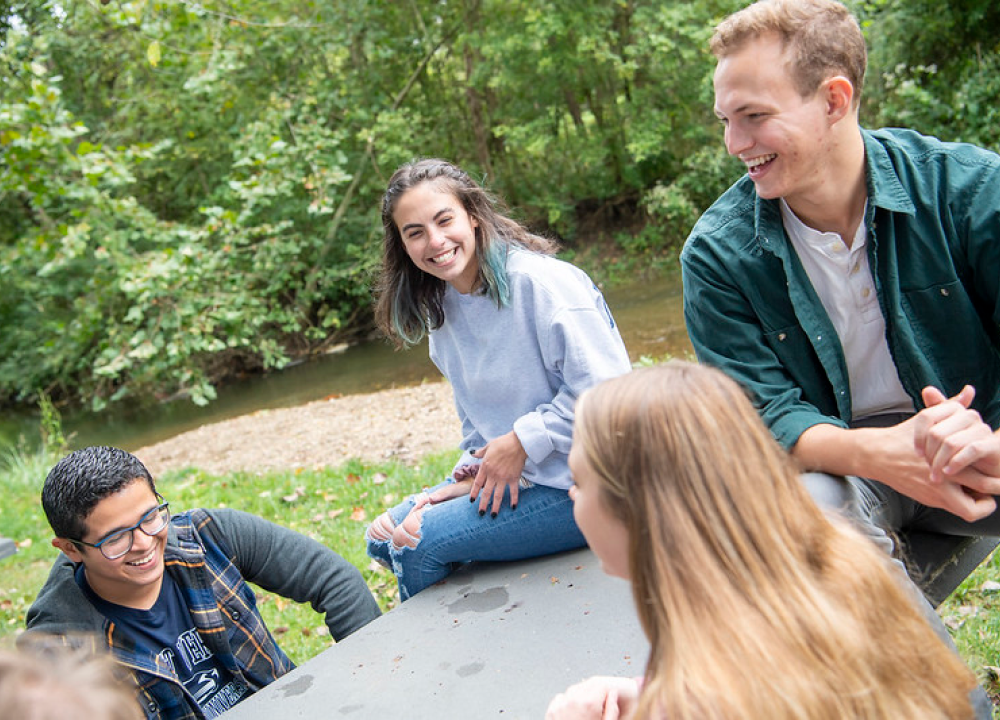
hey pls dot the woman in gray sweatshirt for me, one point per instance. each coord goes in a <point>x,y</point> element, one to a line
<point>519,335</point>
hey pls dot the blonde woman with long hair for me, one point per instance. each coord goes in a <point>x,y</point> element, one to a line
<point>755,603</point>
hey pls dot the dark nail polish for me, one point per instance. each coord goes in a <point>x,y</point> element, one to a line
<point>514,506</point>
<point>472,499</point>
<point>493,515</point>
<point>481,513</point>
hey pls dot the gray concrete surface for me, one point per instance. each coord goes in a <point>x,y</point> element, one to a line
<point>492,641</point>
<point>7,547</point>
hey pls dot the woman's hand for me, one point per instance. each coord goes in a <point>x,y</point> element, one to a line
<point>448,492</point>
<point>599,698</point>
<point>503,462</point>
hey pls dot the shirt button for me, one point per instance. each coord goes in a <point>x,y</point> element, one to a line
<point>236,615</point>
<point>944,291</point>
<point>857,266</point>
<point>781,337</point>
<point>866,292</point>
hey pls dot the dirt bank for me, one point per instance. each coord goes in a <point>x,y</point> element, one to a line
<point>403,423</point>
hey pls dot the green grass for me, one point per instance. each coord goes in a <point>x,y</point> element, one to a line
<point>972,614</point>
<point>333,506</point>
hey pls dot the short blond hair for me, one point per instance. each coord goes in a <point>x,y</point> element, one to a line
<point>50,680</point>
<point>822,38</point>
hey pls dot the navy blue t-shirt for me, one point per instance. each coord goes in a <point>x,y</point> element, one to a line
<point>168,630</point>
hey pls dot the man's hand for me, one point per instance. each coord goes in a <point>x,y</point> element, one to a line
<point>890,456</point>
<point>503,462</point>
<point>951,437</point>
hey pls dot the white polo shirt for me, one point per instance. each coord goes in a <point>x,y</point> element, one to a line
<point>843,281</point>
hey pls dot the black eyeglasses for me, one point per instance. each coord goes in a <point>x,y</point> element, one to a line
<point>119,542</point>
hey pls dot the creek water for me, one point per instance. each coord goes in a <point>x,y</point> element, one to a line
<point>648,314</point>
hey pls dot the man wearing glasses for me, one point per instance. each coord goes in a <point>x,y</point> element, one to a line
<point>168,595</point>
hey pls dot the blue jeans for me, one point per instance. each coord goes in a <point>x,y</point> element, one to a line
<point>453,532</point>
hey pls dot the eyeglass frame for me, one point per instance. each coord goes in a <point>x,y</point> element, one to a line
<point>130,530</point>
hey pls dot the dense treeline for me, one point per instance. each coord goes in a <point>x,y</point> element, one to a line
<point>190,190</point>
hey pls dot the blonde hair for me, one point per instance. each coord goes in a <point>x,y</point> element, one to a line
<point>50,680</point>
<point>820,36</point>
<point>755,603</point>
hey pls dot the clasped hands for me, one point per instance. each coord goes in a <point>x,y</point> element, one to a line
<point>960,454</point>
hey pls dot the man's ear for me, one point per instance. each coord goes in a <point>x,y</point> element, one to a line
<point>839,95</point>
<point>71,551</point>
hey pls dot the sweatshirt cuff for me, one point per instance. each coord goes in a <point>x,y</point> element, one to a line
<point>534,438</point>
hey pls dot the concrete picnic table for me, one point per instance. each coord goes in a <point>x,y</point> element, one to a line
<point>494,640</point>
<point>7,547</point>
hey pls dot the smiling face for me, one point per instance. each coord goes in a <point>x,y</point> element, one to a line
<point>606,535</point>
<point>784,139</point>
<point>439,235</point>
<point>134,579</point>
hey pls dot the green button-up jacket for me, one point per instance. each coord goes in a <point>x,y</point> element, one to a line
<point>933,223</point>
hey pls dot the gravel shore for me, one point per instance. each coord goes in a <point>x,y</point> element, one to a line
<point>401,423</point>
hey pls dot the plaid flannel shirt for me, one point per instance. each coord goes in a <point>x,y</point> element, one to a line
<point>224,610</point>
<point>212,555</point>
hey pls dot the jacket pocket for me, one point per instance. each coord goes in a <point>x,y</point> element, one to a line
<point>945,326</point>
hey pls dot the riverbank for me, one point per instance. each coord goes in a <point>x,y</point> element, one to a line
<point>396,424</point>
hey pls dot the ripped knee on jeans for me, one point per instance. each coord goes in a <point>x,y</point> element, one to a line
<point>381,528</point>
<point>407,533</point>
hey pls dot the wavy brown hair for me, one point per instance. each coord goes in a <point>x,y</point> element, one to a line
<point>755,603</point>
<point>408,300</point>
<point>821,37</point>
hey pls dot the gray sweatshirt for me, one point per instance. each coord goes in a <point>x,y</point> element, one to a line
<point>523,366</point>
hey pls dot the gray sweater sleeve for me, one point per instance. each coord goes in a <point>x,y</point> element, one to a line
<point>294,566</point>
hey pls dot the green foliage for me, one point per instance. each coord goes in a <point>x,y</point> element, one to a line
<point>673,208</point>
<point>191,191</point>
<point>53,438</point>
<point>934,67</point>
